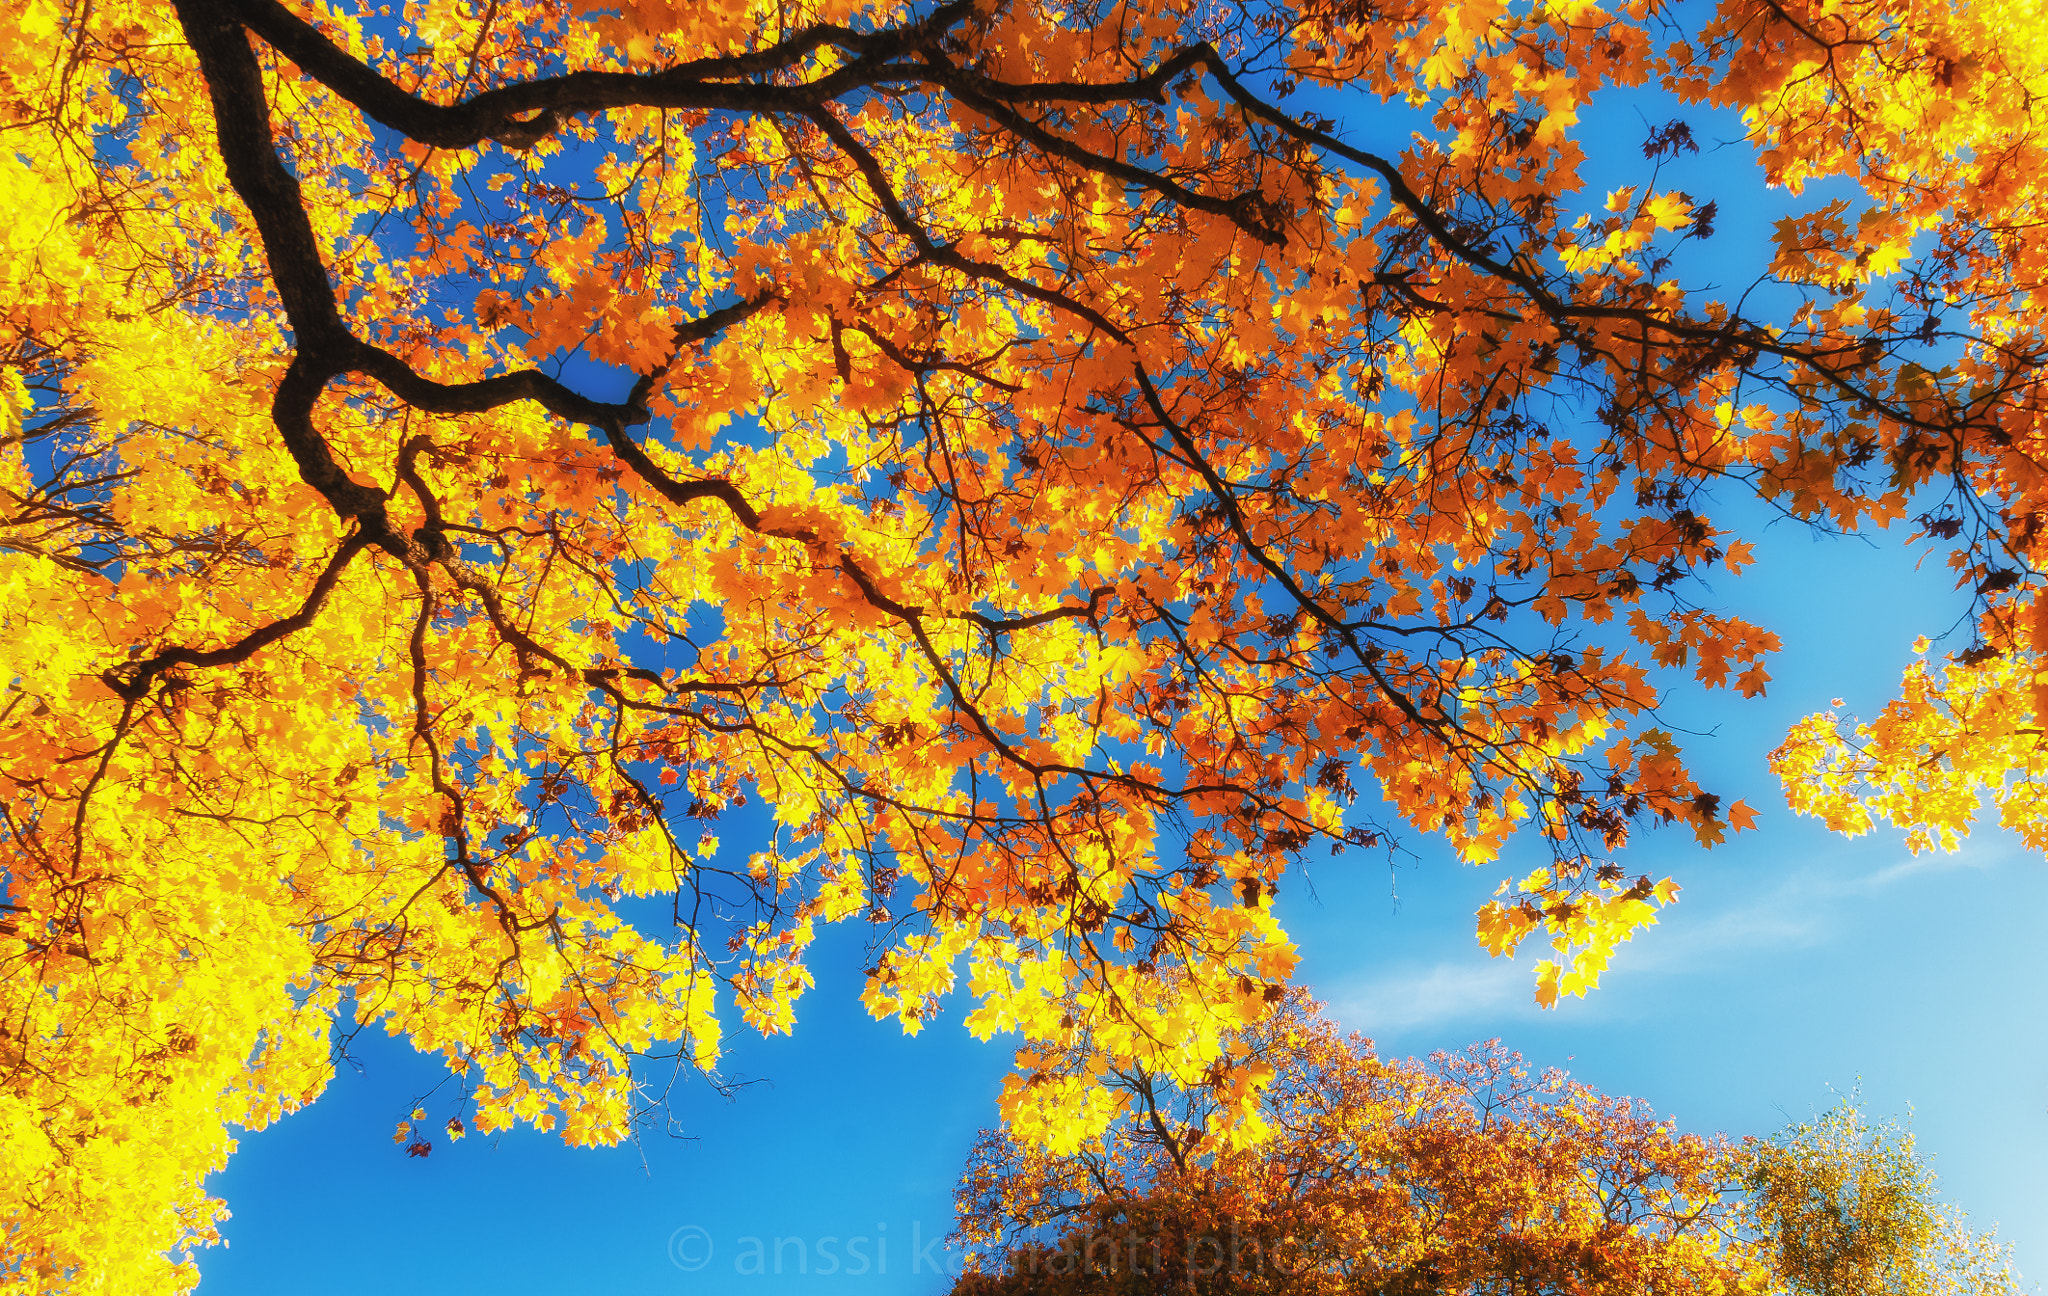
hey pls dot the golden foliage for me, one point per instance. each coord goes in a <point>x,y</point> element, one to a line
<point>1309,1164</point>
<point>1845,1207</point>
<point>452,455</point>
<point>1468,1174</point>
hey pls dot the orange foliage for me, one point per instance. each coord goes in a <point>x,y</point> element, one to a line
<point>1305,1164</point>
<point>451,455</point>
<point>1368,1175</point>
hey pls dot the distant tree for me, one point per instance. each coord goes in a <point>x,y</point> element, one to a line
<point>1845,1208</point>
<point>1310,1165</point>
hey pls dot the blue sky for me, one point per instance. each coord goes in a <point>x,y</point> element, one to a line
<point>1797,966</point>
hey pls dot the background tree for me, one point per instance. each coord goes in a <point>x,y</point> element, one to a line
<point>451,456</point>
<point>1351,1173</point>
<point>1348,1172</point>
<point>1846,1206</point>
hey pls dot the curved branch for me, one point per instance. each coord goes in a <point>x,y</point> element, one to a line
<point>523,114</point>
<point>141,674</point>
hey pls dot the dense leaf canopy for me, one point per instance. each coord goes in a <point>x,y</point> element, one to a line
<point>451,453</point>
<point>1469,1174</point>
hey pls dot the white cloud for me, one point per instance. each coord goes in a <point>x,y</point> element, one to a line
<point>1801,910</point>
<point>1798,912</point>
<point>1933,862</point>
<point>1790,917</point>
<point>1391,1003</point>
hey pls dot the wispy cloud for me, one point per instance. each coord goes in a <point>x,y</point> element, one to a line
<point>1439,995</point>
<point>1472,988</point>
<point>1934,862</point>
<point>1790,917</point>
<point>1800,911</point>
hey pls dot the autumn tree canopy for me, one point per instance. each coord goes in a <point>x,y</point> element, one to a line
<point>1840,1204</point>
<point>454,452</point>
<point>1470,1174</point>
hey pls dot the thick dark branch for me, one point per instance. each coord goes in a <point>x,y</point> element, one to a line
<point>1151,87</point>
<point>235,81</point>
<point>878,180</point>
<point>677,491</point>
<point>702,329</point>
<point>530,384</point>
<point>292,410</point>
<point>133,680</point>
<point>483,395</point>
<point>522,114</point>
<point>326,348</point>
<point>1003,625</point>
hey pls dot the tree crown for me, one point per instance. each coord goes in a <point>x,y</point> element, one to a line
<point>452,456</point>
